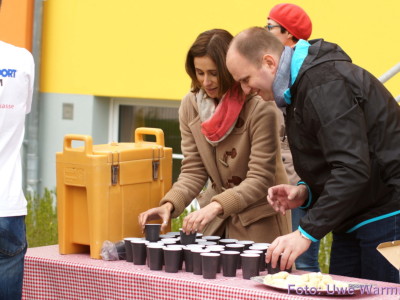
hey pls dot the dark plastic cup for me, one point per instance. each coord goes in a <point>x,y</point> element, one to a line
<point>229,261</point>
<point>128,247</point>
<point>181,257</point>
<point>207,243</point>
<point>195,246</point>
<point>250,265</point>
<point>155,258</point>
<point>174,234</point>
<point>227,241</point>
<point>261,262</point>
<point>211,238</point>
<point>209,264</point>
<point>236,247</point>
<point>217,249</point>
<point>200,241</point>
<point>264,248</point>
<point>159,243</point>
<point>187,238</point>
<point>172,259</point>
<point>139,252</point>
<point>197,264</point>
<point>169,241</point>
<point>188,256</point>
<point>152,232</point>
<point>261,245</point>
<point>246,244</point>
<point>277,269</point>
<point>120,246</point>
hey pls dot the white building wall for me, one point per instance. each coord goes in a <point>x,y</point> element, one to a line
<point>89,115</point>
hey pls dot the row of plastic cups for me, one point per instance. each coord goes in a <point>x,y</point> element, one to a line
<point>152,234</point>
<point>202,261</point>
<point>209,261</point>
<point>238,245</point>
<point>172,256</point>
<point>207,240</point>
<point>210,264</point>
<point>239,258</point>
<point>231,244</point>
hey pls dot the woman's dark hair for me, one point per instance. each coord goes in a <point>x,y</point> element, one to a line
<point>214,44</point>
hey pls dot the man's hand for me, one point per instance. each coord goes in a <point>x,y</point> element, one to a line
<point>284,196</point>
<point>291,246</point>
<point>197,220</point>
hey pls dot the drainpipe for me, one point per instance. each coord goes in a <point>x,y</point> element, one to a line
<point>31,142</point>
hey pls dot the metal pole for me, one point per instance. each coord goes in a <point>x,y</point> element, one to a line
<point>31,141</point>
<point>389,74</point>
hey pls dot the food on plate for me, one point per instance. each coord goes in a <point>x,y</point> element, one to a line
<point>315,280</point>
<point>280,275</point>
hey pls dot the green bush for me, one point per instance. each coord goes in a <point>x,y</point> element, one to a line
<point>41,221</point>
<point>177,222</point>
<point>325,253</point>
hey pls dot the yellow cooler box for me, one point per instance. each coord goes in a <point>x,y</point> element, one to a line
<point>101,189</point>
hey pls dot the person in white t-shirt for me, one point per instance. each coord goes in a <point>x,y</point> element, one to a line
<point>16,86</point>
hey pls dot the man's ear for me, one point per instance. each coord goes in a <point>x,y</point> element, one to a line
<point>270,62</point>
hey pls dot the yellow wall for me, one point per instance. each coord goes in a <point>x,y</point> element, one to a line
<point>132,48</point>
<point>16,22</point>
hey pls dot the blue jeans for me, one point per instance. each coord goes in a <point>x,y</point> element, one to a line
<point>13,247</point>
<point>308,261</point>
<point>354,254</point>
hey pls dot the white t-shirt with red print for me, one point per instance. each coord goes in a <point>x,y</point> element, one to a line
<point>16,87</point>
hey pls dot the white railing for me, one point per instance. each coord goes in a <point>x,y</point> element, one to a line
<point>389,74</point>
<point>177,156</point>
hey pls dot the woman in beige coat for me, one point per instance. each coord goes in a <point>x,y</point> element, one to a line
<point>230,144</point>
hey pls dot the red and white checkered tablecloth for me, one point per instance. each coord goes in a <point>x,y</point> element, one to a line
<point>49,275</point>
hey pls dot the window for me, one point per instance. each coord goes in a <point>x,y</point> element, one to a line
<point>131,114</point>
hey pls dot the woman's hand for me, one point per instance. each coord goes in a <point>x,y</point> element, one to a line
<point>197,220</point>
<point>162,212</point>
<point>284,196</point>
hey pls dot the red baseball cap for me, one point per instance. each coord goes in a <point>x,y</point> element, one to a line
<point>293,18</point>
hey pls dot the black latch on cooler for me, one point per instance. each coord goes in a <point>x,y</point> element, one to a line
<point>114,170</point>
<point>156,163</point>
<point>114,174</point>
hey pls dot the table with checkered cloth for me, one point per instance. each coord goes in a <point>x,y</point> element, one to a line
<point>49,275</point>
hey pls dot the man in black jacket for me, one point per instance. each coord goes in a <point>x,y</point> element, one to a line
<point>343,128</point>
<point>290,23</point>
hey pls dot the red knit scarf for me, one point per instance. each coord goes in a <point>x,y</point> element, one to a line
<point>225,115</point>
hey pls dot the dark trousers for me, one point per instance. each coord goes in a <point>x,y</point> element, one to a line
<point>12,252</point>
<point>354,254</point>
